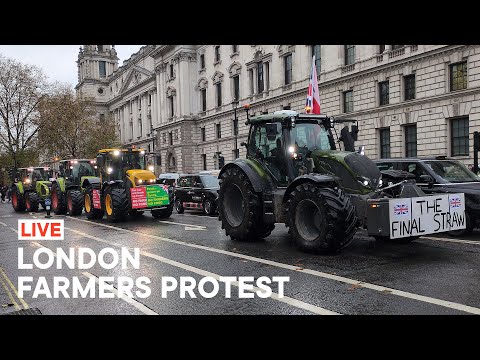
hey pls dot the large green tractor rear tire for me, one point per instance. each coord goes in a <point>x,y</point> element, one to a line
<point>18,201</point>
<point>32,201</point>
<point>58,201</point>
<point>92,213</point>
<point>74,202</point>
<point>163,213</point>
<point>240,209</point>
<point>321,219</point>
<point>116,204</point>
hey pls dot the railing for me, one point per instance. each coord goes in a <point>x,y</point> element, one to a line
<point>413,48</point>
<point>348,68</point>
<point>379,58</point>
<point>395,53</point>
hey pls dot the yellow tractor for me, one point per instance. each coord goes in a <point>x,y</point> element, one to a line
<point>124,187</point>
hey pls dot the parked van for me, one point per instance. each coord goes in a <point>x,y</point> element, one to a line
<point>169,178</point>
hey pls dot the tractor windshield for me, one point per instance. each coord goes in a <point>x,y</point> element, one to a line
<point>83,168</point>
<point>40,174</point>
<point>305,137</point>
<point>128,161</point>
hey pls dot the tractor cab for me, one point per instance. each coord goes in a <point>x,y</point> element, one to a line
<point>290,145</point>
<point>74,170</point>
<point>118,164</point>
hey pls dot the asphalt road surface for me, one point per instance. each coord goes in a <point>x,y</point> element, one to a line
<point>433,275</point>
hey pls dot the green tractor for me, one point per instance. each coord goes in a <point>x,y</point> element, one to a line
<point>124,187</point>
<point>30,188</point>
<point>294,174</point>
<point>67,191</point>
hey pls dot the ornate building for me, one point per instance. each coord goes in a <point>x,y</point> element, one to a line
<point>177,101</point>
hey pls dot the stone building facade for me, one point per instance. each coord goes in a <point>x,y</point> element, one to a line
<point>176,101</point>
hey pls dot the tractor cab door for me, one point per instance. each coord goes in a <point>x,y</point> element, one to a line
<point>266,145</point>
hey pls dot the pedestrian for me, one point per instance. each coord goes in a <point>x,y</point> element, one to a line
<point>3,190</point>
<point>9,194</point>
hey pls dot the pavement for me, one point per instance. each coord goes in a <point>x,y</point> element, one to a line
<point>433,275</point>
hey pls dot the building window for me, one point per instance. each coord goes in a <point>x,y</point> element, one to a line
<point>349,54</point>
<point>171,71</point>
<point>384,92</point>
<point>348,101</point>
<point>459,131</point>
<point>204,161</point>
<point>219,94</point>
<point>170,138</point>
<point>235,127</point>
<point>250,76</point>
<point>219,131</point>
<point>381,49</point>
<point>288,69</point>
<point>267,76</point>
<point>164,138</point>
<point>411,141</point>
<point>217,53</point>
<point>234,49</point>
<point>409,84</point>
<point>385,143</point>
<point>236,87</point>
<point>171,106</point>
<point>102,69</point>
<point>202,61</point>
<point>203,94</point>
<point>149,99</point>
<point>202,132</point>
<point>175,134</point>
<point>316,50</point>
<point>100,48</point>
<point>458,76</point>
<point>102,118</point>
<point>260,77</point>
<point>140,127</point>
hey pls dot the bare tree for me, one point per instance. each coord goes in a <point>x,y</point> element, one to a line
<point>71,128</point>
<point>22,87</point>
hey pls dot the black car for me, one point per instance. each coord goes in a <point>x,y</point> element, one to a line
<point>197,192</point>
<point>442,175</point>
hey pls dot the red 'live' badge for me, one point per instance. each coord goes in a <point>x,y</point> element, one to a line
<point>96,199</point>
<point>139,197</point>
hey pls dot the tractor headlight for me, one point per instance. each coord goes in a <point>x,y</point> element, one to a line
<point>116,153</point>
<point>109,170</point>
<point>380,183</point>
<point>291,149</point>
<point>142,152</point>
<point>139,181</point>
<point>27,181</point>
<point>152,181</point>
<point>151,168</point>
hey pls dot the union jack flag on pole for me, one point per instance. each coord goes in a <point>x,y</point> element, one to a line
<point>312,106</point>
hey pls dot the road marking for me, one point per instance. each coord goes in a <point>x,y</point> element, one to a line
<point>12,300</point>
<point>2,223</point>
<point>6,216</point>
<point>182,224</point>
<point>14,289</point>
<point>139,306</point>
<point>16,230</point>
<point>193,228</point>
<point>459,241</point>
<point>383,289</point>
<point>288,300</point>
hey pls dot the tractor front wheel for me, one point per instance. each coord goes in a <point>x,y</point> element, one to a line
<point>74,202</point>
<point>320,219</point>
<point>116,204</point>
<point>162,213</point>
<point>32,201</point>
<point>92,213</point>
<point>18,201</point>
<point>239,208</point>
<point>58,203</point>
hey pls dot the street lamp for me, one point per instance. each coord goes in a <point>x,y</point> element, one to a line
<point>235,125</point>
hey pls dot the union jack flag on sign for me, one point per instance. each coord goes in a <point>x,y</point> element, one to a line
<point>400,209</point>
<point>455,202</point>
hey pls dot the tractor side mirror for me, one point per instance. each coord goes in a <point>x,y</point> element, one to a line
<point>100,162</point>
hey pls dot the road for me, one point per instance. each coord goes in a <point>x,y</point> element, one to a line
<point>434,275</point>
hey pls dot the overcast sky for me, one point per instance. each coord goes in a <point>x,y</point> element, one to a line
<point>58,61</point>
